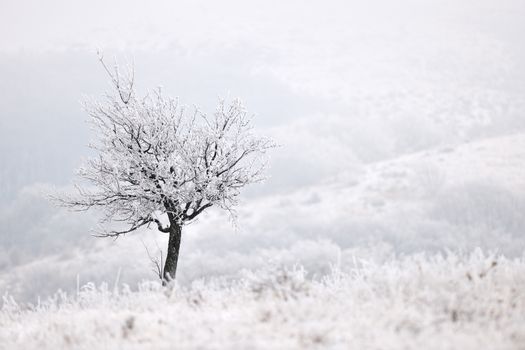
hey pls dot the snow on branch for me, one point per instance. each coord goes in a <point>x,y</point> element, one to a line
<point>154,156</point>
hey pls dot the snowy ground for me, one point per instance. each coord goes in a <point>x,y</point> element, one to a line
<point>436,302</point>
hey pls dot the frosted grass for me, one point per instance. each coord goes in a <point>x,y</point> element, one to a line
<point>416,302</point>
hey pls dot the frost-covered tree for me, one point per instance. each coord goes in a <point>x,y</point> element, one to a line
<point>159,164</point>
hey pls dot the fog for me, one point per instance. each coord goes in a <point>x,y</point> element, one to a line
<point>401,125</point>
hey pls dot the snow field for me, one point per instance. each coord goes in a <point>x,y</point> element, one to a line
<point>413,302</point>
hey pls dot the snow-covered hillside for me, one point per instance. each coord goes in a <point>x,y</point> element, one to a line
<point>450,198</point>
<point>384,186</point>
<point>462,196</point>
<point>454,302</point>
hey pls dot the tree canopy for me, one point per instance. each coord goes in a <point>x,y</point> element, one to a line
<point>155,157</point>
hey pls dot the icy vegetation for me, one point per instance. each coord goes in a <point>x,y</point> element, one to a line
<point>417,302</point>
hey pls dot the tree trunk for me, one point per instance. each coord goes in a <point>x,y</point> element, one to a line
<point>170,267</point>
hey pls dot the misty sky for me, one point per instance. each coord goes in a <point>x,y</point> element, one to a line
<point>333,71</point>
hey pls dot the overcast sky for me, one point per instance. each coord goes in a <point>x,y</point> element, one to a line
<point>334,71</point>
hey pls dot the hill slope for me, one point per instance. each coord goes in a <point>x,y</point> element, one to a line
<point>451,198</point>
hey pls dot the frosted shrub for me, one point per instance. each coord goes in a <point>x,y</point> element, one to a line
<point>279,282</point>
<point>481,206</point>
<point>430,178</point>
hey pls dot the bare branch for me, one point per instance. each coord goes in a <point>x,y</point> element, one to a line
<point>159,226</point>
<point>198,211</point>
